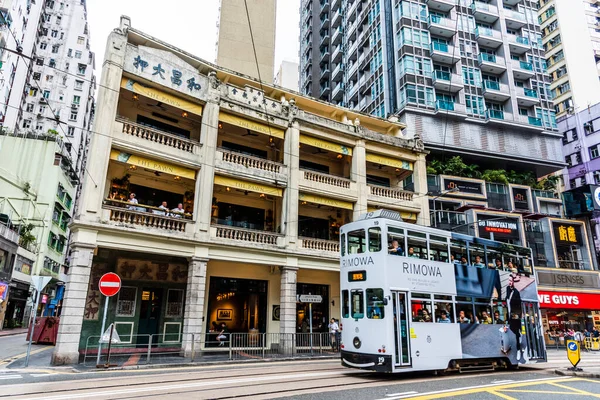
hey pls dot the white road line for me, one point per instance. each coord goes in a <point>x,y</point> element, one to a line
<point>400,394</point>
<point>475,387</point>
<point>100,393</point>
<point>38,375</point>
<point>505,381</point>
<point>11,376</point>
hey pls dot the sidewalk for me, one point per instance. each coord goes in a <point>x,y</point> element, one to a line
<point>11,332</point>
<point>590,363</point>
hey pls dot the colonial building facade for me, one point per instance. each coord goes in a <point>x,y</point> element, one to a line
<point>256,182</point>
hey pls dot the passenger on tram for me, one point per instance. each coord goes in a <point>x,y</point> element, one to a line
<point>485,318</point>
<point>462,318</point>
<point>411,253</point>
<point>396,249</point>
<point>497,319</point>
<point>463,261</point>
<point>498,264</point>
<point>478,263</point>
<point>443,319</point>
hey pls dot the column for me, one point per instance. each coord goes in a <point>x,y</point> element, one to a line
<point>206,176</point>
<point>359,175</point>
<point>287,309</point>
<point>289,211</point>
<point>420,189</point>
<point>71,320</point>
<point>193,315</point>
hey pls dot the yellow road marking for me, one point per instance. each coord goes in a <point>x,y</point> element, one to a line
<point>574,390</point>
<point>504,396</point>
<point>12,358</point>
<point>539,391</point>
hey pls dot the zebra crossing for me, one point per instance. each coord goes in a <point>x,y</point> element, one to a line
<point>8,377</point>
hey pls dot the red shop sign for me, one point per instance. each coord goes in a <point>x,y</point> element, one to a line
<point>582,301</point>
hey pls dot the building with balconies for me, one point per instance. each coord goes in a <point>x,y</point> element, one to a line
<point>572,43</point>
<point>468,76</point>
<point>219,200</point>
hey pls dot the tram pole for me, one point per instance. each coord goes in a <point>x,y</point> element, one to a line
<point>310,319</point>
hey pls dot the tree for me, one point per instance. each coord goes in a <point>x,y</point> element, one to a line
<point>26,238</point>
<point>495,176</point>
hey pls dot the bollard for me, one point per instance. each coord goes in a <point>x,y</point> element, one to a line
<point>193,347</point>
<point>149,349</point>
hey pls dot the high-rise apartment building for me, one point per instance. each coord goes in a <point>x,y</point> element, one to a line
<point>469,76</point>
<point>238,39</point>
<point>571,38</point>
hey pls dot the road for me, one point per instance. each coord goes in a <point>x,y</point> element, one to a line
<point>15,346</point>
<point>303,380</point>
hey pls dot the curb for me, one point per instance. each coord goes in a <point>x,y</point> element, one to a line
<point>581,374</point>
<point>2,334</point>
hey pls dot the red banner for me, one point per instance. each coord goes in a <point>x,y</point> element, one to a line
<point>572,300</point>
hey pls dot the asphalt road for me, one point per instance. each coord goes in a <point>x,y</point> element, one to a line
<point>324,379</point>
<point>15,347</point>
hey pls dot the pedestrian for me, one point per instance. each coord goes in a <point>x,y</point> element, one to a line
<point>222,336</point>
<point>333,330</point>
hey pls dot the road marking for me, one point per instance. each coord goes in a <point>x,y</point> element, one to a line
<point>536,391</point>
<point>401,394</point>
<point>38,375</point>
<point>573,390</point>
<point>11,376</point>
<point>481,388</point>
<point>13,358</point>
<point>504,381</point>
<point>99,393</point>
<point>504,396</point>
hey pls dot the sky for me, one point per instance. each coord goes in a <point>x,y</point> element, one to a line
<point>190,25</point>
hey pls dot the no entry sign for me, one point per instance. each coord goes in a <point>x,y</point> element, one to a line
<point>110,284</point>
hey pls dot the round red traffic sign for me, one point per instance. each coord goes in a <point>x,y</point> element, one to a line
<point>110,284</point>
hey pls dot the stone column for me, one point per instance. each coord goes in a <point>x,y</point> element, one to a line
<point>287,309</point>
<point>359,175</point>
<point>71,320</point>
<point>206,176</point>
<point>193,316</point>
<point>420,189</point>
<point>289,212</point>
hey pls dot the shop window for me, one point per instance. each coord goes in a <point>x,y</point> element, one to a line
<point>238,148</point>
<point>152,123</point>
<point>320,311</point>
<point>311,166</point>
<point>375,306</point>
<point>357,242</point>
<point>374,240</point>
<point>345,304</point>
<point>174,303</point>
<point>241,216</point>
<point>421,307</point>
<point>358,304</point>
<point>126,302</point>
<point>378,180</point>
<point>316,228</point>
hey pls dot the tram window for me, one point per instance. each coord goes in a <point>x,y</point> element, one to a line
<point>395,241</point>
<point>357,242</point>
<point>438,252</point>
<point>465,313</point>
<point>443,312</point>
<point>421,310</point>
<point>499,314</point>
<point>343,244</point>
<point>442,297</point>
<point>438,238</point>
<point>358,304</point>
<point>477,256</point>
<point>345,304</point>
<point>374,240</point>
<point>483,314</point>
<point>375,308</point>
<point>416,248</point>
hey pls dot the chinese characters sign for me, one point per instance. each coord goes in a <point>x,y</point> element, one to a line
<point>567,234</point>
<point>141,270</point>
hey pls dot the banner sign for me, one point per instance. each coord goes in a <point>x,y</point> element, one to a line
<point>502,228</point>
<point>464,186</point>
<point>571,300</point>
<point>567,234</point>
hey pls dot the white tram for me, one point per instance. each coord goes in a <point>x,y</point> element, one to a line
<point>419,298</point>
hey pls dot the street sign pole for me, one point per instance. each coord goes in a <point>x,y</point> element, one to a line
<point>102,330</point>
<point>32,328</point>
<point>310,319</point>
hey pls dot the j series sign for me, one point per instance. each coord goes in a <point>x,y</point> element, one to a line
<point>581,301</point>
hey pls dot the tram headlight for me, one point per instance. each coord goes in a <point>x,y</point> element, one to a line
<point>356,342</point>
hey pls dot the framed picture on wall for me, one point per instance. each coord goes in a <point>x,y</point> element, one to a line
<point>224,314</point>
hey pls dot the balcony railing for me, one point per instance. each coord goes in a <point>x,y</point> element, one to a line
<point>250,161</point>
<point>326,179</point>
<point>447,22</point>
<point>438,46</point>
<point>487,57</point>
<point>442,75</point>
<point>565,264</point>
<point>146,220</point>
<point>246,235</point>
<point>523,65</point>
<point>492,85</point>
<point>494,114</point>
<point>331,246</point>
<point>535,121</point>
<point>444,105</point>
<point>530,93</point>
<point>9,234</point>
<point>390,193</point>
<point>154,135</point>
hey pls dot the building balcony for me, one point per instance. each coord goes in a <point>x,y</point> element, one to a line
<point>9,234</point>
<point>320,246</point>
<point>336,37</point>
<point>352,50</point>
<point>444,53</point>
<point>325,90</point>
<point>325,23</point>
<point>324,74</point>
<point>389,197</point>
<point>123,214</point>
<point>353,71</point>
<point>522,70</point>
<point>337,54</point>
<point>484,12</point>
<point>494,114</point>
<point>246,236</point>
<point>447,82</point>
<point>440,5</point>
<point>352,92</point>
<point>491,64</point>
<point>239,164</point>
<point>312,181</point>
<point>527,97</point>
<point>324,38</point>
<point>514,19</point>
<point>338,92</point>
<point>529,120</point>
<point>518,44</point>
<point>512,3</point>
<point>444,27</point>
<point>336,19</point>
<point>488,37</point>
<point>338,73</point>
<point>325,55</point>
<point>444,106</point>
<point>334,4</point>
<point>495,91</point>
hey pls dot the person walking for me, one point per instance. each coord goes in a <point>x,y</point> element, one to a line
<point>333,329</point>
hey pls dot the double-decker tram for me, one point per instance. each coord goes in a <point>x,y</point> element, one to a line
<point>419,298</point>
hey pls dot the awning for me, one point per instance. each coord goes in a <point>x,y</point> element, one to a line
<point>253,126</point>
<point>163,97</point>
<point>154,165</point>
<point>326,201</point>
<point>249,186</point>
<point>325,145</point>
<point>406,216</point>
<point>390,162</point>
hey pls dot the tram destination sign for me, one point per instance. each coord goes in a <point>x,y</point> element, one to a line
<point>311,298</point>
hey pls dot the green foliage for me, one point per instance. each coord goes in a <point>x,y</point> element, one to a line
<point>26,238</point>
<point>53,132</point>
<point>495,176</point>
<point>454,166</point>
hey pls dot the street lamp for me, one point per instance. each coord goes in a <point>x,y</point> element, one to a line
<point>441,194</point>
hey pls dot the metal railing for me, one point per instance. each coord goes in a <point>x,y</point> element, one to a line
<point>203,347</point>
<point>9,234</point>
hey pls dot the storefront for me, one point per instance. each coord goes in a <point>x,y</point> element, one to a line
<point>568,300</point>
<point>320,311</point>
